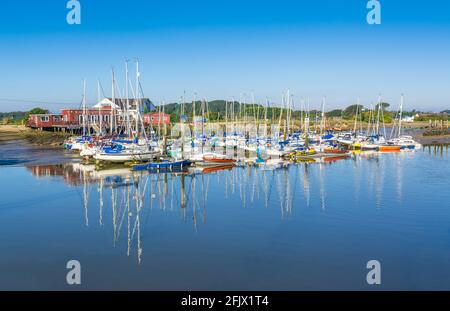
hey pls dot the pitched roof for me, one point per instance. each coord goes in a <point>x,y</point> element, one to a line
<point>121,103</point>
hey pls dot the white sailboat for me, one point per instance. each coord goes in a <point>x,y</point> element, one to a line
<point>404,141</point>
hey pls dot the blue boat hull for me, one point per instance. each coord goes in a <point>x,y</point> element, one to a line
<point>166,165</point>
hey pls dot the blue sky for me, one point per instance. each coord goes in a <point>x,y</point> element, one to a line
<point>221,49</point>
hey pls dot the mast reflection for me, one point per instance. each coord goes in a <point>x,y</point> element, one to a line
<point>124,198</point>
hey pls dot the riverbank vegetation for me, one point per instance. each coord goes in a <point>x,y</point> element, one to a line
<point>217,110</point>
<point>19,117</point>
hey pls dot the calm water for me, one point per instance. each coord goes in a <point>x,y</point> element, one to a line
<point>301,227</point>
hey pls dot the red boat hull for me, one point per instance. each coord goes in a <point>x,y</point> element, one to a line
<point>337,151</point>
<point>336,158</point>
<point>218,160</point>
<point>388,148</point>
<point>218,168</point>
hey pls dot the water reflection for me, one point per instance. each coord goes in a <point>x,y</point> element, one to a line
<point>123,198</point>
<point>437,149</point>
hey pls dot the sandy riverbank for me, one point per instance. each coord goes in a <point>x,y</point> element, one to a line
<point>12,132</point>
<point>432,140</point>
<point>41,138</point>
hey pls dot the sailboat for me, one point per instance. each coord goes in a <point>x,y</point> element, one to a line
<point>134,149</point>
<point>77,143</point>
<point>380,139</point>
<point>404,141</point>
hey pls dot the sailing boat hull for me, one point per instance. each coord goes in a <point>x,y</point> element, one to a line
<point>164,165</point>
<point>214,160</point>
<point>335,151</point>
<point>125,157</point>
<point>389,148</point>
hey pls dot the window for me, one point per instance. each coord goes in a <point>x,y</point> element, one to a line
<point>44,119</point>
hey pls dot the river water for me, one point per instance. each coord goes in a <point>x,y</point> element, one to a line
<point>305,226</point>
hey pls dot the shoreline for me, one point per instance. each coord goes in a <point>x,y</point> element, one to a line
<point>34,137</point>
<point>52,139</point>
<point>432,140</point>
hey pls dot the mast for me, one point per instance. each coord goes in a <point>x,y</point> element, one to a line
<point>322,119</point>
<point>226,121</point>
<point>233,115</point>
<point>286,121</point>
<point>302,107</point>
<point>382,118</point>
<point>113,104</point>
<point>356,116</point>
<point>159,120</point>
<point>378,116</point>
<point>203,122</point>
<point>127,115</point>
<point>84,108</point>
<point>400,116</point>
<point>160,116</point>
<point>193,115</point>
<point>292,115</point>
<point>182,127</point>
<point>99,108</point>
<point>254,114</point>
<point>265,118</point>
<point>138,100</point>
<point>281,114</point>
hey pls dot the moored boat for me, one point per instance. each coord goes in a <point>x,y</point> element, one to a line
<point>219,160</point>
<point>389,148</point>
<point>336,158</point>
<point>334,150</point>
<point>161,165</point>
<point>117,153</point>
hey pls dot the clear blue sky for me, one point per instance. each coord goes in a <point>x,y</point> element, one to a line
<point>221,49</point>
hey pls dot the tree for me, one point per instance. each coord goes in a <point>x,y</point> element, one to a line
<point>350,111</point>
<point>334,113</point>
<point>385,106</point>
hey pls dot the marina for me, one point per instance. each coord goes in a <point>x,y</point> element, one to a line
<point>119,131</point>
<point>156,229</point>
<point>225,154</point>
<point>186,202</point>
